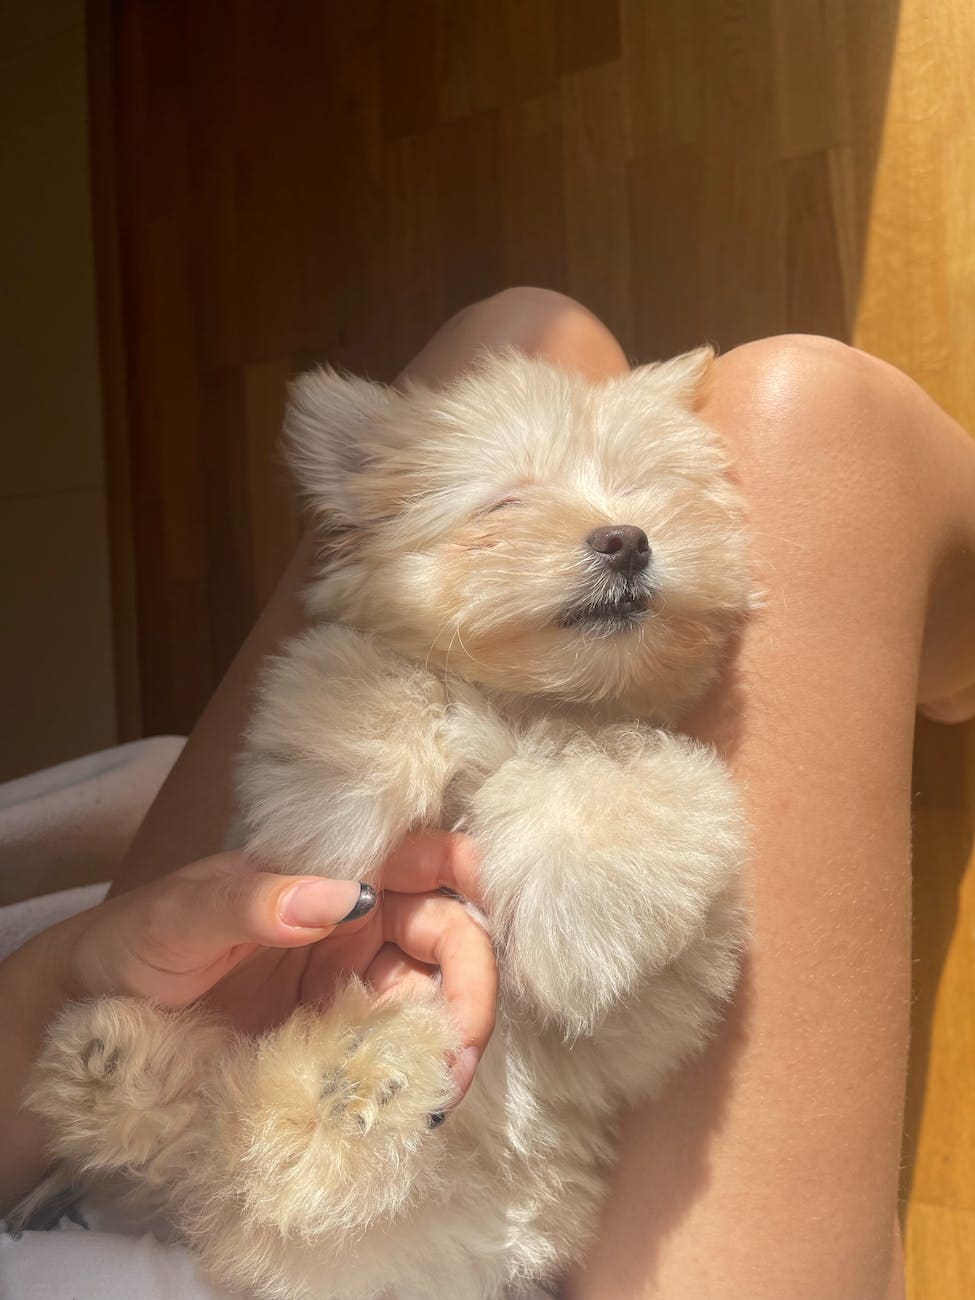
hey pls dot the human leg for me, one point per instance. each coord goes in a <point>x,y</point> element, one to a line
<point>768,1170</point>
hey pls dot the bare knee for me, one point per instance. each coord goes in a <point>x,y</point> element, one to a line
<point>526,301</point>
<point>853,474</point>
<point>815,374</point>
<point>854,430</point>
<point>807,409</point>
<point>826,450</point>
<point>548,324</point>
<point>539,322</point>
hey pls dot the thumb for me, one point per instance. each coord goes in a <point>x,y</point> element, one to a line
<point>199,922</point>
<point>222,901</point>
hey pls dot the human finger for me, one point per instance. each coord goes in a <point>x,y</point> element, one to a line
<point>439,931</point>
<point>392,971</point>
<point>173,939</point>
<point>430,860</point>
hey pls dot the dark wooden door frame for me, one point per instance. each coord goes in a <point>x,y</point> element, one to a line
<point>99,35</point>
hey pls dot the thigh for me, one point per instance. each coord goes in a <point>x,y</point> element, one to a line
<point>769,1170</point>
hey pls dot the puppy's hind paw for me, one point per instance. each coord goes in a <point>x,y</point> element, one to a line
<point>335,1118</point>
<point>100,1061</point>
<point>117,1077</point>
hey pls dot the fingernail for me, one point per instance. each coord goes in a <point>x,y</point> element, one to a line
<point>315,904</point>
<point>366,902</point>
<point>463,1067</point>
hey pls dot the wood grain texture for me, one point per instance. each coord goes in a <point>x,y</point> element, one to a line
<point>331,180</point>
<point>322,180</point>
<point>916,308</point>
<point>940,1248</point>
<point>114,380</point>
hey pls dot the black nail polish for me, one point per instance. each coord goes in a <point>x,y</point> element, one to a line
<point>436,1119</point>
<point>365,903</point>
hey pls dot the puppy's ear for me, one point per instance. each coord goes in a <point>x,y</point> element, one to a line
<point>328,436</point>
<point>679,379</point>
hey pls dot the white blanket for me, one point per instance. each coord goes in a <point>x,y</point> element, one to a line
<point>70,1263</point>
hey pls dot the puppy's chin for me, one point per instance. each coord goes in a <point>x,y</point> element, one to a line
<point>645,654</point>
<point>617,657</point>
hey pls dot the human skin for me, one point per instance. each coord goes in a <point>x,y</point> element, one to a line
<point>768,1170</point>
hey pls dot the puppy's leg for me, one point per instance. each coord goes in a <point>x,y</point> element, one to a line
<point>601,862</point>
<point>332,1121</point>
<point>120,1083</point>
<point>344,754</point>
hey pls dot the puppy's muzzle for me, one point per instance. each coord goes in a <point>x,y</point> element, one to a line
<point>625,549</point>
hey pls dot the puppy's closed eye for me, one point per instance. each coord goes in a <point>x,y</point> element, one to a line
<point>504,502</point>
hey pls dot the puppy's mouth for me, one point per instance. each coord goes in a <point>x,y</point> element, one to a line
<point>608,614</point>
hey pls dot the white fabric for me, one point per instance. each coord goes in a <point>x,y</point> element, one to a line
<point>21,921</point>
<point>71,824</point>
<point>71,1263</point>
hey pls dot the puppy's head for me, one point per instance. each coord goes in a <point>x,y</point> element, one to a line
<point>528,529</point>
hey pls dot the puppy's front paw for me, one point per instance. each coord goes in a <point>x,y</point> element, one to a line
<point>601,864</point>
<point>117,1078</point>
<point>329,1118</point>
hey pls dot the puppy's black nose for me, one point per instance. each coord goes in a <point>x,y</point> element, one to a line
<point>627,549</point>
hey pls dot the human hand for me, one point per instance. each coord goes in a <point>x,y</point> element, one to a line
<point>256,944</point>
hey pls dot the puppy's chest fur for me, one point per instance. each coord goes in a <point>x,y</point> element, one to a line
<point>484,729</point>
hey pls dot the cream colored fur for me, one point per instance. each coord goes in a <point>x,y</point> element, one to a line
<point>464,673</point>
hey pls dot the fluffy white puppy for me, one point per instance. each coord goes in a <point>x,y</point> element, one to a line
<point>527,577</point>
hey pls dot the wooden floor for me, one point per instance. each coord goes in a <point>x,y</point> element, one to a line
<point>332,179</point>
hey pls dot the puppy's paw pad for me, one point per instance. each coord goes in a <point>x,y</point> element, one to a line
<point>391,1088</point>
<point>353,1094</point>
<point>361,1068</point>
<point>100,1060</point>
<point>117,1078</point>
<point>121,1051</point>
<point>333,1083</point>
<point>88,1050</point>
<point>334,1118</point>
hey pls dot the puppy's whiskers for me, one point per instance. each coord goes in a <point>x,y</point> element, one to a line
<point>472,658</point>
<point>436,640</point>
<point>446,666</point>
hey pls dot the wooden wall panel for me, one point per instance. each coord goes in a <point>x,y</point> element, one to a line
<point>326,179</point>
